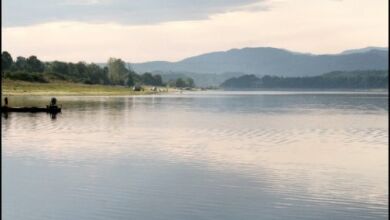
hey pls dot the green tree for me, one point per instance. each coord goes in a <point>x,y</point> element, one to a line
<point>6,61</point>
<point>117,72</point>
<point>158,80</point>
<point>190,82</point>
<point>136,78</point>
<point>82,70</point>
<point>58,67</point>
<point>180,83</point>
<point>73,72</point>
<point>130,80</point>
<point>96,74</point>
<point>147,79</point>
<point>21,63</point>
<point>34,64</point>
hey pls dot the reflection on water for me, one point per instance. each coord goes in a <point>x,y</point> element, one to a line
<point>205,155</point>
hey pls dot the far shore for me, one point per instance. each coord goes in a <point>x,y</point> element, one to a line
<point>61,88</point>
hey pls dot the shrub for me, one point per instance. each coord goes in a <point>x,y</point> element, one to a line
<point>24,76</point>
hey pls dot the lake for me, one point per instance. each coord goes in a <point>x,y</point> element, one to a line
<point>199,155</point>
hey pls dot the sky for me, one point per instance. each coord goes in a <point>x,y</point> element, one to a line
<point>171,30</point>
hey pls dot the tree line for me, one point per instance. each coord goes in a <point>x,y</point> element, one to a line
<point>116,72</point>
<point>363,79</point>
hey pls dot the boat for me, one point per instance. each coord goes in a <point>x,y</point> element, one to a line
<point>48,109</point>
<point>52,108</point>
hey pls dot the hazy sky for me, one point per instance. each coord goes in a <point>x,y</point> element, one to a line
<point>137,31</point>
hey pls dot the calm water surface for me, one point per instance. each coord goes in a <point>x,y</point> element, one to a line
<point>204,155</point>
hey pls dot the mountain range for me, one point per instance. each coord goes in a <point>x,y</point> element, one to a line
<point>272,61</point>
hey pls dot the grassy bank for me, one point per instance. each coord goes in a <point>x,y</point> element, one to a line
<point>13,88</point>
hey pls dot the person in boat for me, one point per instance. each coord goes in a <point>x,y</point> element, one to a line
<point>53,103</point>
<point>53,108</point>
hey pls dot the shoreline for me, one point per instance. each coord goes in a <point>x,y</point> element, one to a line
<point>61,88</point>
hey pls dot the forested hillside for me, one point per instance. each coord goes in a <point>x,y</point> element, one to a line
<point>367,79</point>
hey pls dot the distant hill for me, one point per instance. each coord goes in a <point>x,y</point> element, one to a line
<point>272,61</point>
<point>364,50</point>
<point>364,79</point>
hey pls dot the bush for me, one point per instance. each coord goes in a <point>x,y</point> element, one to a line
<point>55,76</point>
<point>24,76</point>
<point>87,81</point>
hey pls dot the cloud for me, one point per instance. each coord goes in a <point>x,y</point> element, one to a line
<point>318,27</point>
<point>134,12</point>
